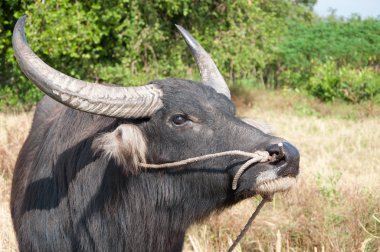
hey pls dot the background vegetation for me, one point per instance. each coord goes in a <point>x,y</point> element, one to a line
<point>273,44</point>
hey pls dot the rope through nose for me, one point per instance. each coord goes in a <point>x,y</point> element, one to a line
<point>259,156</point>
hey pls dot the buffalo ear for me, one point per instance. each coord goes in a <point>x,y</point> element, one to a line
<point>258,124</point>
<point>126,145</point>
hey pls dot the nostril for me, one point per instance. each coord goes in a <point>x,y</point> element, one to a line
<point>273,149</point>
<point>276,151</point>
<point>285,159</point>
<point>281,153</point>
<point>284,151</point>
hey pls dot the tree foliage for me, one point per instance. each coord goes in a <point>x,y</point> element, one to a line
<point>270,43</point>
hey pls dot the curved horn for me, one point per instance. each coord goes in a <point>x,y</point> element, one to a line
<point>209,72</point>
<point>114,101</point>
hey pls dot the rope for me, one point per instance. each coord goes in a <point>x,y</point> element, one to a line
<point>202,158</point>
<point>260,156</point>
<point>249,222</point>
<point>255,157</point>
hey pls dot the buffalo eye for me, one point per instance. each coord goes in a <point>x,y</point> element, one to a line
<point>179,120</point>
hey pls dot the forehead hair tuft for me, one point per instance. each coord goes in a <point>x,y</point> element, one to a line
<point>126,145</point>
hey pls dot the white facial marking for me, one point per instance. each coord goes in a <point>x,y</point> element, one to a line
<point>281,184</point>
<point>266,176</point>
<point>270,182</point>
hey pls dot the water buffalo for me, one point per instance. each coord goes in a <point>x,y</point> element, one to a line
<point>78,185</point>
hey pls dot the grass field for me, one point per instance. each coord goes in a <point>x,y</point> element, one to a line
<point>335,205</point>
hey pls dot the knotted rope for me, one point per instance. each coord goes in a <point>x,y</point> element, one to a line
<point>255,157</point>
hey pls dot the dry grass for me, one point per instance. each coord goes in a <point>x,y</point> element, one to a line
<point>13,131</point>
<point>335,205</point>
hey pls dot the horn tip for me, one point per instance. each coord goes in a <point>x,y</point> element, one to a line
<point>183,31</point>
<point>18,31</point>
<point>21,21</point>
<point>20,24</point>
<point>190,40</point>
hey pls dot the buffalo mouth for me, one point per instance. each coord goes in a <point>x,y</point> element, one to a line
<point>282,175</point>
<point>269,181</point>
<point>281,184</point>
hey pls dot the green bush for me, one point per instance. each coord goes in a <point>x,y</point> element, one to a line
<point>332,58</point>
<point>329,82</point>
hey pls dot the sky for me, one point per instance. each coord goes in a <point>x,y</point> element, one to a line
<point>365,8</point>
